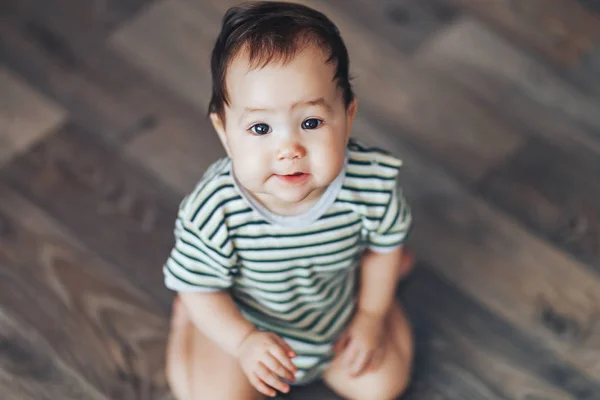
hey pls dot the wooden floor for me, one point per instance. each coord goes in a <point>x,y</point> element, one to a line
<point>494,105</point>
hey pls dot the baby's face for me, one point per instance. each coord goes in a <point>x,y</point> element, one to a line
<point>286,129</point>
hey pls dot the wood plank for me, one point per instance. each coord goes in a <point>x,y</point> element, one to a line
<point>107,102</point>
<point>81,24</point>
<point>513,82</point>
<point>586,75</point>
<point>172,41</point>
<point>26,116</point>
<point>467,352</point>
<point>111,98</point>
<point>178,149</point>
<point>406,23</point>
<point>492,258</point>
<point>436,115</point>
<point>109,204</point>
<point>111,337</point>
<point>562,31</point>
<point>555,193</point>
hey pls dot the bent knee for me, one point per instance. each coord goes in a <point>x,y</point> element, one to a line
<point>387,387</point>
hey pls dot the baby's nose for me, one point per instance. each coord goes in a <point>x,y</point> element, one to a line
<point>291,151</point>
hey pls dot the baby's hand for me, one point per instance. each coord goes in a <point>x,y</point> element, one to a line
<point>360,346</point>
<point>265,358</point>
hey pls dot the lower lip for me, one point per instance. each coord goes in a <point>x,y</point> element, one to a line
<point>293,179</point>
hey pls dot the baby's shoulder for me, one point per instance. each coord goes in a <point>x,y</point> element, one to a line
<point>209,193</point>
<point>370,167</point>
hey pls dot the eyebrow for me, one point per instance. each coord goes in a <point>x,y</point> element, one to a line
<point>316,102</point>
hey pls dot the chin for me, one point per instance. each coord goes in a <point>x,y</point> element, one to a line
<point>293,198</point>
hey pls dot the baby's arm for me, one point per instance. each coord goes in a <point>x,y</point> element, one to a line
<point>263,356</point>
<point>360,345</point>
<point>380,273</point>
<point>217,316</point>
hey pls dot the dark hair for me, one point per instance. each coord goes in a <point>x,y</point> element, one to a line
<point>274,31</point>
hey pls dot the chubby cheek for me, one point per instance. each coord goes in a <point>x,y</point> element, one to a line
<point>327,163</point>
<point>251,168</point>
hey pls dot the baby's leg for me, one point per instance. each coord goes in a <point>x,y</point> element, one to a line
<point>198,369</point>
<point>392,376</point>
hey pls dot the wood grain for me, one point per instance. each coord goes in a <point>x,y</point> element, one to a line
<point>177,150</point>
<point>108,203</point>
<point>493,259</point>
<point>106,101</point>
<point>25,115</point>
<point>112,98</point>
<point>406,23</point>
<point>71,328</point>
<point>555,193</point>
<point>460,341</point>
<point>562,31</point>
<point>438,115</point>
<point>82,25</point>
<point>172,41</point>
<point>513,82</point>
<point>586,75</point>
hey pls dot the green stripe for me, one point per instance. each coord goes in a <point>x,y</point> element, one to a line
<point>358,162</point>
<point>193,283</point>
<point>370,176</point>
<point>323,283</point>
<point>216,207</point>
<point>218,268</point>
<point>296,320</point>
<point>215,191</point>
<point>360,203</point>
<point>192,271</point>
<point>342,309</point>
<point>336,318</point>
<point>297,267</point>
<point>304,246</point>
<point>363,190</point>
<point>206,246</point>
<point>289,235</point>
<point>317,281</point>
<point>396,167</point>
<point>185,254</point>
<point>225,216</point>
<point>258,320</point>
<point>281,260</point>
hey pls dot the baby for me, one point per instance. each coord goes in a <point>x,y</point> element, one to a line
<point>287,253</point>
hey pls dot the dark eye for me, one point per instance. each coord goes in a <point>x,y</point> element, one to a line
<point>311,123</point>
<point>260,129</point>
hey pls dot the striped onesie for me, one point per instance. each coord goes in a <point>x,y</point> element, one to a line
<point>292,275</point>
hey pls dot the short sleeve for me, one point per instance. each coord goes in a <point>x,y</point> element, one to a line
<point>195,264</point>
<point>394,226</point>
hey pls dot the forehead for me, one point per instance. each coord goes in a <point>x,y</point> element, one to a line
<point>278,84</point>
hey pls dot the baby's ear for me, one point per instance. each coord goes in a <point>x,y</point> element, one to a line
<point>219,126</point>
<point>350,114</point>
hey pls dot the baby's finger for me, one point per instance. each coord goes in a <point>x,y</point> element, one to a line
<point>350,353</point>
<point>261,386</point>
<point>275,366</point>
<point>286,347</point>
<point>280,355</point>
<point>359,363</point>
<point>271,379</point>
